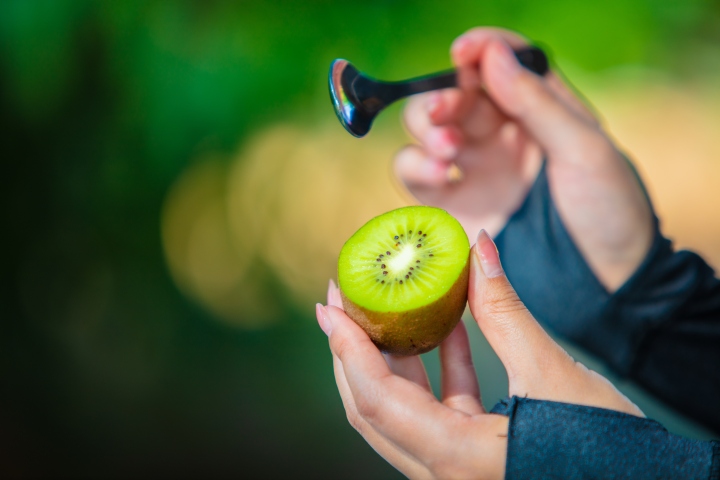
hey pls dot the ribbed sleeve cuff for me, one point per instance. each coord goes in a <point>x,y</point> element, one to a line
<point>560,440</point>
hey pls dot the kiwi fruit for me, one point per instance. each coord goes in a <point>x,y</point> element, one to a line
<point>403,278</point>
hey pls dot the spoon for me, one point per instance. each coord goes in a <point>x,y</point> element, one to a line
<point>358,99</point>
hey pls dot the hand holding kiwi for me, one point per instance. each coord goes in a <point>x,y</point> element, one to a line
<point>389,401</point>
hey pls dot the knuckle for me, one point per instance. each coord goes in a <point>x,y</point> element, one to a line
<point>475,34</point>
<point>460,402</point>
<point>367,406</point>
<point>480,34</point>
<point>355,420</point>
<point>414,115</point>
<point>341,345</point>
<point>503,303</point>
<point>403,156</point>
<point>397,164</point>
<point>477,31</point>
<point>534,93</point>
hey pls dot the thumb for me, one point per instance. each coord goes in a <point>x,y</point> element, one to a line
<point>529,99</point>
<point>524,348</point>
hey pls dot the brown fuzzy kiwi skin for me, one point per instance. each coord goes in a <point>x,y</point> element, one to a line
<point>414,331</point>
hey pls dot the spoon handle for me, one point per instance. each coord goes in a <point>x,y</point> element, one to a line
<point>532,58</point>
<point>434,81</point>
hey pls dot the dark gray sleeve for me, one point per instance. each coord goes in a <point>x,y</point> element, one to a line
<point>661,329</point>
<point>560,440</point>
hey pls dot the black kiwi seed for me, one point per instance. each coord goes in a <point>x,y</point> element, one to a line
<point>417,261</point>
<point>411,268</point>
<point>420,232</point>
<point>430,255</point>
<point>388,253</point>
<point>382,266</point>
<point>396,237</point>
<point>383,281</point>
<point>419,245</point>
<point>385,273</point>
<point>400,281</point>
<point>424,234</point>
<point>406,276</point>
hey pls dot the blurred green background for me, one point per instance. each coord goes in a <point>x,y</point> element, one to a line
<point>175,190</point>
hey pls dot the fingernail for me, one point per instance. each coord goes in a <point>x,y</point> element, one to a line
<point>506,61</point>
<point>323,319</point>
<point>487,253</point>
<point>433,103</point>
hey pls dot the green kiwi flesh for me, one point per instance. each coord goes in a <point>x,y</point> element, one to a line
<point>404,276</point>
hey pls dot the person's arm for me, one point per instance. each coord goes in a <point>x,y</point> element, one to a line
<point>661,328</point>
<point>580,241</point>
<point>562,421</point>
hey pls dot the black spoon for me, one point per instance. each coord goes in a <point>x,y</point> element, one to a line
<point>358,99</point>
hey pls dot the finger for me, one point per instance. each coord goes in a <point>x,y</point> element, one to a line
<point>415,115</point>
<point>415,168</point>
<point>440,141</point>
<point>410,368</point>
<point>391,453</point>
<point>399,410</point>
<point>482,121</point>
<point>460,389</point>
<point>471,112</point>
<point>469,109</point>
<point>572,98</point>
<point>472,48</point>
<point>527,98</point>
<point>536,364</point>
<point>395,455</point>
<point>450,105</point>
<point>524,348</point>
<point>443,142</point>
<point>469,48</point>
<point>333,295</point>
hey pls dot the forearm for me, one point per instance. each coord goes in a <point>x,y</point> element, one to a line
<point>661,328</point>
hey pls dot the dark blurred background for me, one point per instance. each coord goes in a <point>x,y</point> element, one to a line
<point>175,190</point>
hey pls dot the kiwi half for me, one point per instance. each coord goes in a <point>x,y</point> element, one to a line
<point>404,278</point>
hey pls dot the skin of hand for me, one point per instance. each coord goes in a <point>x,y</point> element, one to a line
<point>497,128</point>
<point>389,401</point>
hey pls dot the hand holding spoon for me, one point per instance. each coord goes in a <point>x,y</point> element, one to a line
<point>358,99</point>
